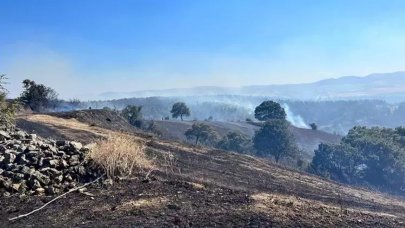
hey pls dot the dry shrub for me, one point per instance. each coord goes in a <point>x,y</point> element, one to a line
<point>119,155</point>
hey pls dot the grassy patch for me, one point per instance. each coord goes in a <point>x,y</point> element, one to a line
<point>119,155</point>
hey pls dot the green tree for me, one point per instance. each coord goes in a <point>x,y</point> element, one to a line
<point>7,109</point>
<point>180,109</point>
<point>201,133</point>
<point>366,156</point>
<point>235,141</point>
<point>270,110</point>
<point>274,139</point>
<point>133,114</point>
<point>38,96</point>
<point>337,162</point>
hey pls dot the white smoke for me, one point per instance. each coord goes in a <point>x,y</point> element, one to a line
<point>295,120</point>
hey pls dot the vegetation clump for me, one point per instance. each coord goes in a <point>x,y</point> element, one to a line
<point>371,157</point>
<point>274,139</point>
<point>313,126</point>
<point>235,141</point>
<point>38,96</point>
<point>7,109</point>
<point>133,114</point>
<point>200,132</point>
<point>119,155</point>
<point>180,109</point>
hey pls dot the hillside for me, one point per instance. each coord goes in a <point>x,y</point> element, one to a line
<point>195,186</point>
<point>307,139</point>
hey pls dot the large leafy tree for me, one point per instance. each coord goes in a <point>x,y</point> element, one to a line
<point>270,110</point>
<point>275,139</point>
<point>38,96</point>
<point>200,132</point>
<point>180,109</point>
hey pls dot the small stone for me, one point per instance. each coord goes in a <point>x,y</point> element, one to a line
<point>60,153</point>
<point>40,191</point>
<point>16,147</point>
<point>22,160</point>
<point>32,148</point>
<point>68,177</point>
<point>40,162</point>
<point>4,135</point>
<point>76,146</point>
<point>9,157</point>
<point>81,190</point>
<point>5,183</point>
<point>18,176</point>
<point>108,182</point>
<point>51,172</point>
<point>51,162</point>
<point>63,163</point>
<point>19,135</point>
<point>32,136</point>
<point>74,160</point>
<point>41,178</point>
<point>88,147</point>
<point>31,154</point>
<point>58,179</point>
<point>62,143</point>
<point>10,166</point>
<point>6,194</point>
<point>51,190</point>
<point>34,184</point>
<point>15,187</point>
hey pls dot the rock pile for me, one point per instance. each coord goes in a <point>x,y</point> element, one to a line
<point>32,165</point>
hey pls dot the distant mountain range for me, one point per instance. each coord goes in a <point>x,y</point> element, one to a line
<point>388,86</point>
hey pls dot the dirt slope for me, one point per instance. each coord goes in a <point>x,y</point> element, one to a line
<point>196,187</point>
<point>307,139</point>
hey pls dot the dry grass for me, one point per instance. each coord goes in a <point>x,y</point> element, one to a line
<point>119,155</point>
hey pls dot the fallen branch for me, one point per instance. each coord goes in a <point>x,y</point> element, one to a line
<point>53,200</point>
<point>150,171</point>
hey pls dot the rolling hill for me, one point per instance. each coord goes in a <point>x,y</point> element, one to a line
<point>200,187</point>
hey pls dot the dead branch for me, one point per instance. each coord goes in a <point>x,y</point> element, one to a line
<point>53,200</point>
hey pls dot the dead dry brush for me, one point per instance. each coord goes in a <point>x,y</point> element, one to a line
<point>119,155</point>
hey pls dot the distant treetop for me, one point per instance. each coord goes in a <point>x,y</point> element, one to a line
<point>270,110</point>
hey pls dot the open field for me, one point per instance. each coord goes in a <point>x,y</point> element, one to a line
<point>194,186</point>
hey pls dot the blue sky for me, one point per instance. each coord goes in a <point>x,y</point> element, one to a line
<point>86,47</point>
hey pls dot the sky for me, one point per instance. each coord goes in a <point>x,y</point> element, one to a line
<point>83,48</point>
